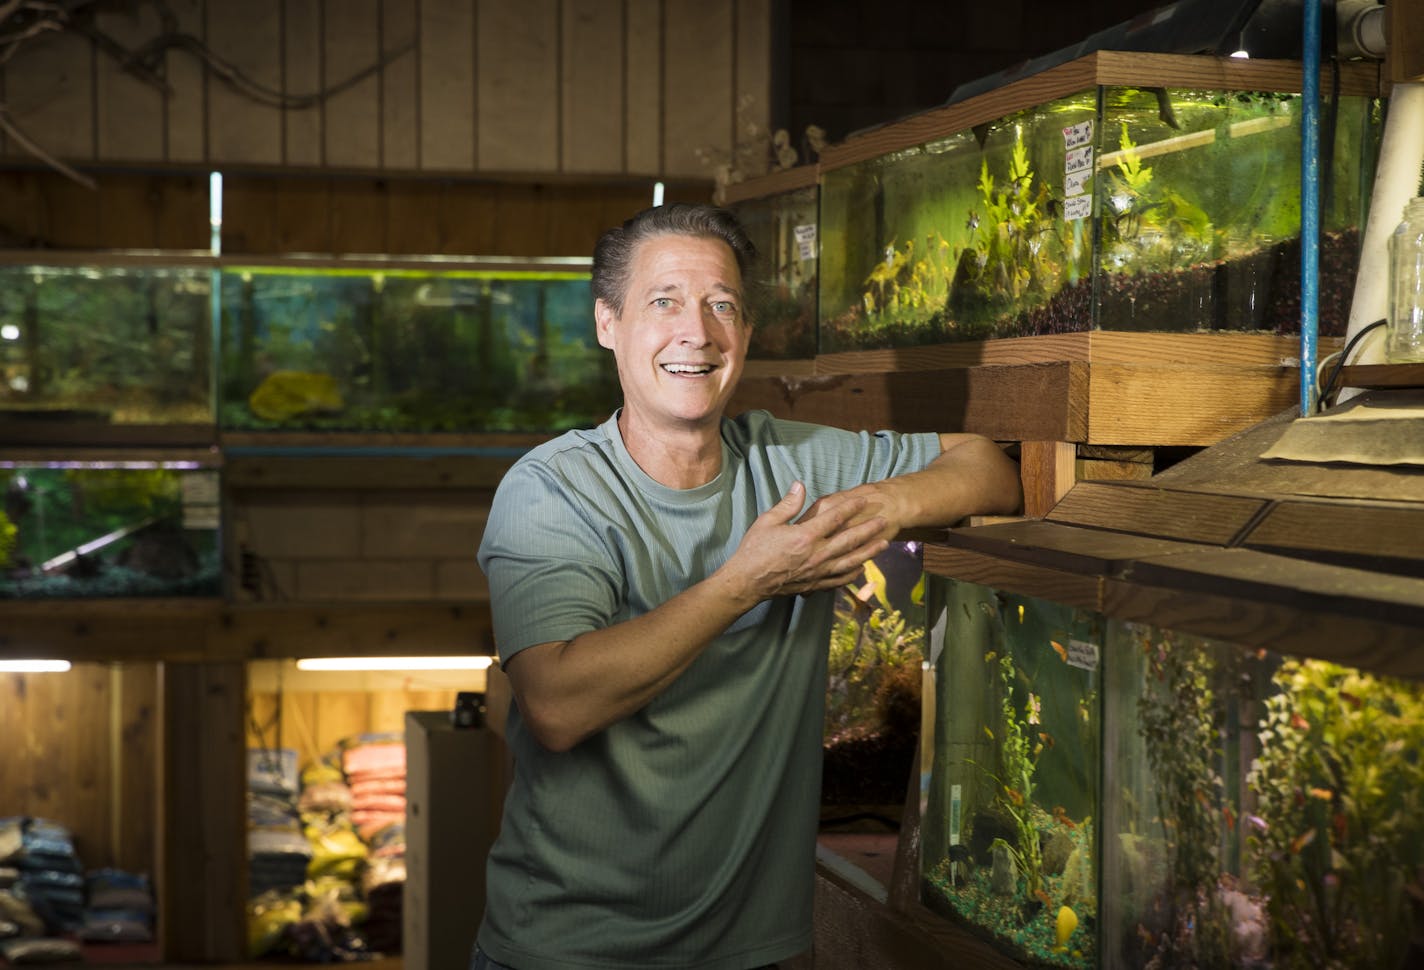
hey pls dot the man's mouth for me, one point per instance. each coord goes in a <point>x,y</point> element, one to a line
<point>688,369</point>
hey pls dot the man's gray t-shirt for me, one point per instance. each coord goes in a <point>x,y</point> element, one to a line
<point>682,836</point>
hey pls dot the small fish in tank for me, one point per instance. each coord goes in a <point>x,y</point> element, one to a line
<point>101,530</point>
<point>1009,783</point>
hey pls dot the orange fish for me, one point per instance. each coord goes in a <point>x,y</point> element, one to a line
<point>1046,738</point>
<point>1043,897</point>
<point>1060,815</point>
<point>1324,794</point>
<point>1015,795</point>
<point>1299,723</point>
<point>1229,817</point>
<point>1058,649</point>
<point>1302,840</point>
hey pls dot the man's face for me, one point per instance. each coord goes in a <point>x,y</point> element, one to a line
<point>682,337</point>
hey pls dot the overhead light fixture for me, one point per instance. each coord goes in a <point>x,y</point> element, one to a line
<point>394,663</point>
<point>33,666</point>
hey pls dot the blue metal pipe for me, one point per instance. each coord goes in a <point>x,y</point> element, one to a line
<point>1309,203</point>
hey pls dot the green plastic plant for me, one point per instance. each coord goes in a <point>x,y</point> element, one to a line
<point>1340,788</point>
<point>1180,722</point>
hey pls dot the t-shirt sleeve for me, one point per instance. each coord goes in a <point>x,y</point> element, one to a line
<point>834,459</point>
<point>550,576</point>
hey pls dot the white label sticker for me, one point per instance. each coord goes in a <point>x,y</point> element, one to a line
<point>1078,207</point>
<point>1079,134</point>
<point>1077,159</point>
<point>200,500</point>
<point>806,241</point>
<point>1083,654</point>
<point>1076,183</point>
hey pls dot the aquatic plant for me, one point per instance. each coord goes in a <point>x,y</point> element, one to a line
<point>1014,252</point>
<point>1148,224</point>
<point>1340,788</point>
<point>1018,759</point>
<point>875,657</point>
<point>1179,720</point>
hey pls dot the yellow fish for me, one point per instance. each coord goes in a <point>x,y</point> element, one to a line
<point>1067,923</point>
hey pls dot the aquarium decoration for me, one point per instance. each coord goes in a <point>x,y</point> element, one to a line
<point>101,530</point>
<point>1118,208</point>
<point>401,349</point>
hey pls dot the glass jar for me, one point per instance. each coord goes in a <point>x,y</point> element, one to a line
<point>1406,287</point>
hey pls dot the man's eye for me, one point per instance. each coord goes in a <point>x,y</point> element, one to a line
<point>662,303</point>
<point>724,307</point>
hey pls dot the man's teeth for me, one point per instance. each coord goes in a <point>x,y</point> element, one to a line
<point>688,368</point>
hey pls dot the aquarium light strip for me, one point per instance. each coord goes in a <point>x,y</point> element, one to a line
<point>34,666</point>
<point>132,465</point>
<point>357,451</point>
<point>395,663</point>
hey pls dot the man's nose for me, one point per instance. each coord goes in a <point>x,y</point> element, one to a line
<point>694,325</point>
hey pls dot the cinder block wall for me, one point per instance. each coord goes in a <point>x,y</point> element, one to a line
<point>334,545</point>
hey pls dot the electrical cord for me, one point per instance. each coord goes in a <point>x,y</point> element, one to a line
<point>1343,355</point>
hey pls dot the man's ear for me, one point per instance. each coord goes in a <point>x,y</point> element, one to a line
<point>603,320</point>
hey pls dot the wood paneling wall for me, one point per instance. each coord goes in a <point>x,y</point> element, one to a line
<point>571,87</point>
<point>81,748</point>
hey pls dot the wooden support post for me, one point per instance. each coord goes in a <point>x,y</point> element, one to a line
<point>1046,468</point>
<point>202,893</point>
<point>1405,51</point>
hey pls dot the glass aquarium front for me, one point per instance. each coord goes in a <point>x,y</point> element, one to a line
<point>109,529</point>
<point>872,720</point>
<point>123,344</point>
<point>412,349</point>
<point>1119,208</point>
<point>1244,809</point>
<point>1010,772</point>
<point>783,294</point>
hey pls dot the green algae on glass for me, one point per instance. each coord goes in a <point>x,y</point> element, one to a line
<point>1120,208</point>
<point>782,293</point>
<point>121,344</point>
<point>101,532</point>
<point>385,349</point>
<point>1011,780</point>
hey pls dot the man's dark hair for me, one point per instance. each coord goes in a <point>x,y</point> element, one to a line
<point>613,255</point>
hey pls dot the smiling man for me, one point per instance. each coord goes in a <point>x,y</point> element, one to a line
<point>662,589</point>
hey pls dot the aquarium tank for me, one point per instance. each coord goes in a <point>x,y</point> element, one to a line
<point>448,347</point>
<point>97,529</point>
<point>1238,807</point>
<point>872,720</point>
<point>782,295</point>
<point>1116,208</point>
<point>1011,772</point>
<point>112,344</point>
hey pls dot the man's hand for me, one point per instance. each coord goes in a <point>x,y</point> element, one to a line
<point>780,555</point>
